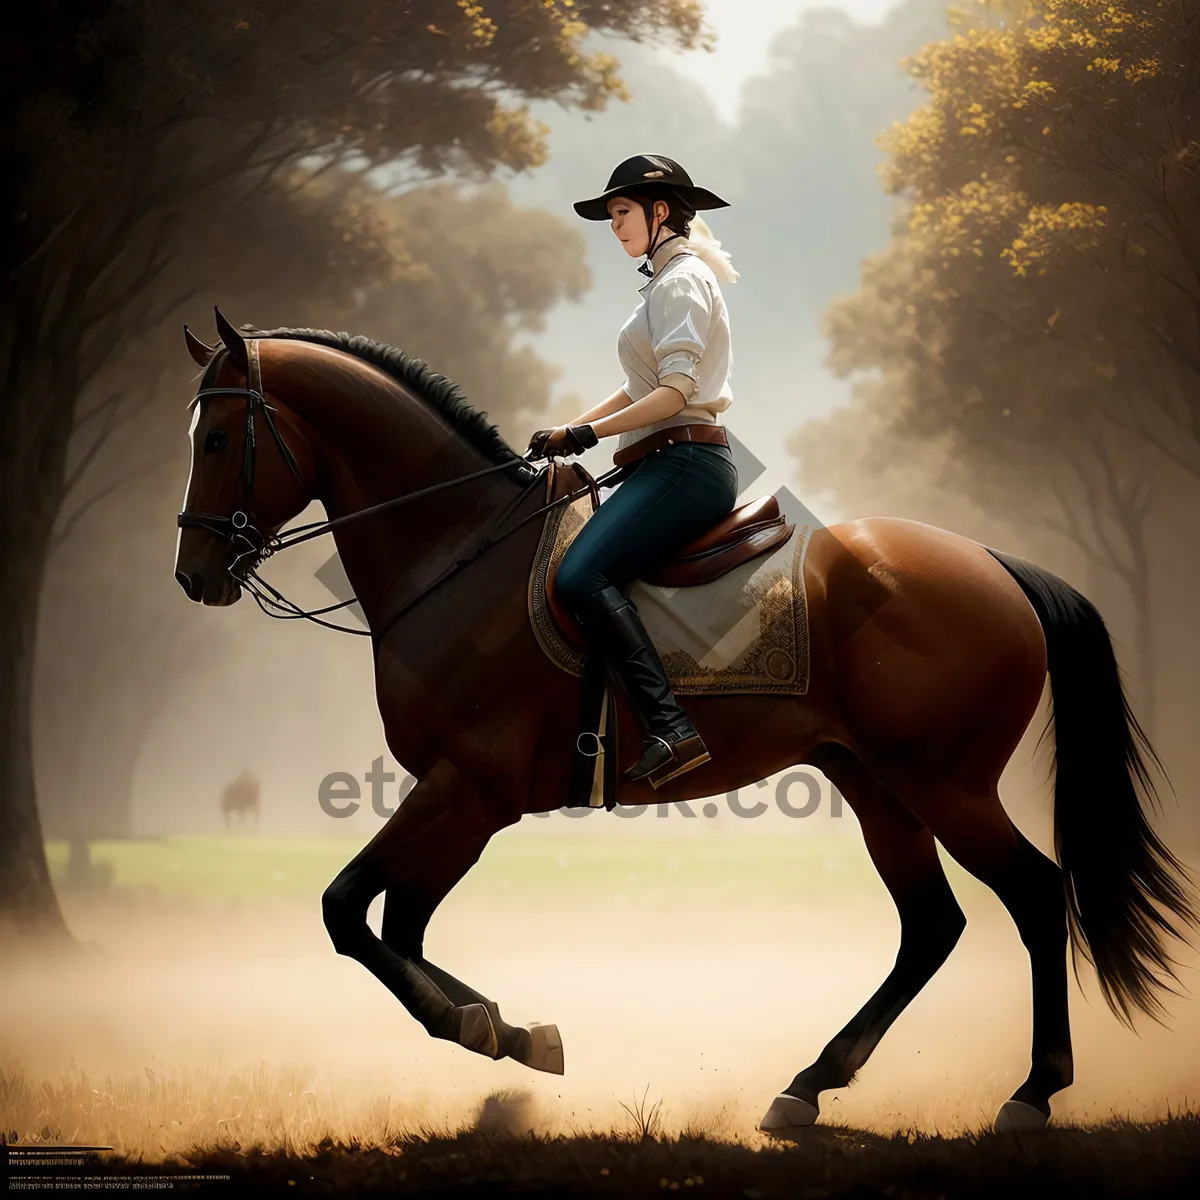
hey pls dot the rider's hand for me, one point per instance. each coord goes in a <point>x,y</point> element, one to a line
<point>558,444</point>
<point>563,441</point>
<point>552,443</point>
<point>537,443</point>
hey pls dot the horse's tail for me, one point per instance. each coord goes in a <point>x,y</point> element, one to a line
<point>1124,889</point>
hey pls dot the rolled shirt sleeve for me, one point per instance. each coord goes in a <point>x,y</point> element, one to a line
<point>680,314</point>
<point>685,385</point>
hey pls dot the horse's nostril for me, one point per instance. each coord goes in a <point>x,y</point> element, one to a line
<point>192,584</point>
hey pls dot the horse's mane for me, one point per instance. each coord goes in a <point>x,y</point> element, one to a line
<point>443,394</point>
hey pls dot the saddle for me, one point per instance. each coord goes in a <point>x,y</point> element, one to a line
<point>746,533</point>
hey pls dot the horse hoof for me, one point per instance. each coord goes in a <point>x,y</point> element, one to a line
<point>1016,1116</point>
<point>476,1031</point>
<point>546,1049</point>
<point>787,1116</point>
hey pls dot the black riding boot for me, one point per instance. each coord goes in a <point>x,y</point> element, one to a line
<point>673,747</point>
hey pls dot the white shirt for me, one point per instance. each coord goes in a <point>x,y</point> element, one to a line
<point>680,329</point>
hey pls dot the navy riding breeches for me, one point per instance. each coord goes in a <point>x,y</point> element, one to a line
<point>673,495</point>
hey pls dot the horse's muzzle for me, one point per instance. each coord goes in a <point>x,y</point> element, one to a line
<point>218,593</point>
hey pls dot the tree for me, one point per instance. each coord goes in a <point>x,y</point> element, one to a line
<point>451,273</point>
<point>123,113</point>
<point>1060,149</point>
<point>473,273</point>
<point>1036,309</point>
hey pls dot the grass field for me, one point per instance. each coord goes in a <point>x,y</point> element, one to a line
<point>813,868</point>
<point>1114,1159</point>
<point>214,1030</point>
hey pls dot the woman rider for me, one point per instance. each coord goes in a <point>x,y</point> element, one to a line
<point>679,478</point>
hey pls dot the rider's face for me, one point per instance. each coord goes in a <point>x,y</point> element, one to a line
<point>629,223</point>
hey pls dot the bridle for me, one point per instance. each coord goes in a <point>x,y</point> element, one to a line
<point>239,528</point>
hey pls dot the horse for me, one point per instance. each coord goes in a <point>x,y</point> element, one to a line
<point>929,655</point>
<point>240,798</point>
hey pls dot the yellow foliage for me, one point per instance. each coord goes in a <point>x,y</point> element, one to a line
<point>1046,229</point>
<point>483,29</point>
<point>1002,171</point>
<point>527,137</point>
<point>1146,68</point>
<point>1004,61</point>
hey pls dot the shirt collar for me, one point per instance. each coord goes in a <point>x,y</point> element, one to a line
<point>678,244</point>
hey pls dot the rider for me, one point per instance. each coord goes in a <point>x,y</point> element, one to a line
<point>681,480</point>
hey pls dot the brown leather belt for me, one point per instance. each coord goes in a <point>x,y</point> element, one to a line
<point>696,431</point>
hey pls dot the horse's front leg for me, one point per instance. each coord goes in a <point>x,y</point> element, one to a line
<point>427,846</point>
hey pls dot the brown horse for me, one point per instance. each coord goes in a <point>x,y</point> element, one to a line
<point>929,655</point>
<point>241,798</point>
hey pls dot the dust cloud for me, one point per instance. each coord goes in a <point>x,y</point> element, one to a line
<point>241,1021</point>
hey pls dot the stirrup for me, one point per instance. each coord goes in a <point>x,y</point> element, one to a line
<point>631,773</point>
<point>685,754</point>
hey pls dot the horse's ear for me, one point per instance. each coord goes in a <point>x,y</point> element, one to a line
<point>201,354</point>
<point>233,342</point>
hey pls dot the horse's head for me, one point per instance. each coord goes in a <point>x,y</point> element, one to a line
<point>252,470</point>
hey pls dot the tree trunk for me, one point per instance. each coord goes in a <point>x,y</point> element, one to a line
<point>39,338</point>
<point>27,900</point>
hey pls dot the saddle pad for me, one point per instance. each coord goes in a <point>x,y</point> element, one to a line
<point>746,632</point>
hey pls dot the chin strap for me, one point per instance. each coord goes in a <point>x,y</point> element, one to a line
<point>646,268</point>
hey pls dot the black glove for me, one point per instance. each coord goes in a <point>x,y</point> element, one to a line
<point>563,441</point>
<point>581,437</point>
<point>537,443</point>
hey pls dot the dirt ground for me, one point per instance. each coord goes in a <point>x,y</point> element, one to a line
<point>241,1023</point>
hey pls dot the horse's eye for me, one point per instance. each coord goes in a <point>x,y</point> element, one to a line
<point>214,441</point>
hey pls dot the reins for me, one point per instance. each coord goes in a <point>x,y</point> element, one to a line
<point>238,526</point>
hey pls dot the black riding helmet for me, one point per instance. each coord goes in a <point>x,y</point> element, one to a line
<point>646,178</point>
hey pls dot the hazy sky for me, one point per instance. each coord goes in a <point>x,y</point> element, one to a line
<point>581,338</point>
<point>744,29</point>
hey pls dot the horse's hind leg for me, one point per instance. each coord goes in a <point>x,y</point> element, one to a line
<point>979,835</point>
<point>904,854</point>
<point>1030,886</point>
<point>434,838</point>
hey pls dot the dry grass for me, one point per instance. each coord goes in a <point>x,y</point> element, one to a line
<point>228,1037</point>
<point>158,1116</point>
<point>1113,1160</point>
<point>277,1144</point>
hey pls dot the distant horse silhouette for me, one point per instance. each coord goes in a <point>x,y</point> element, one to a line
<point>240,799</point>
<point>929,656</point>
